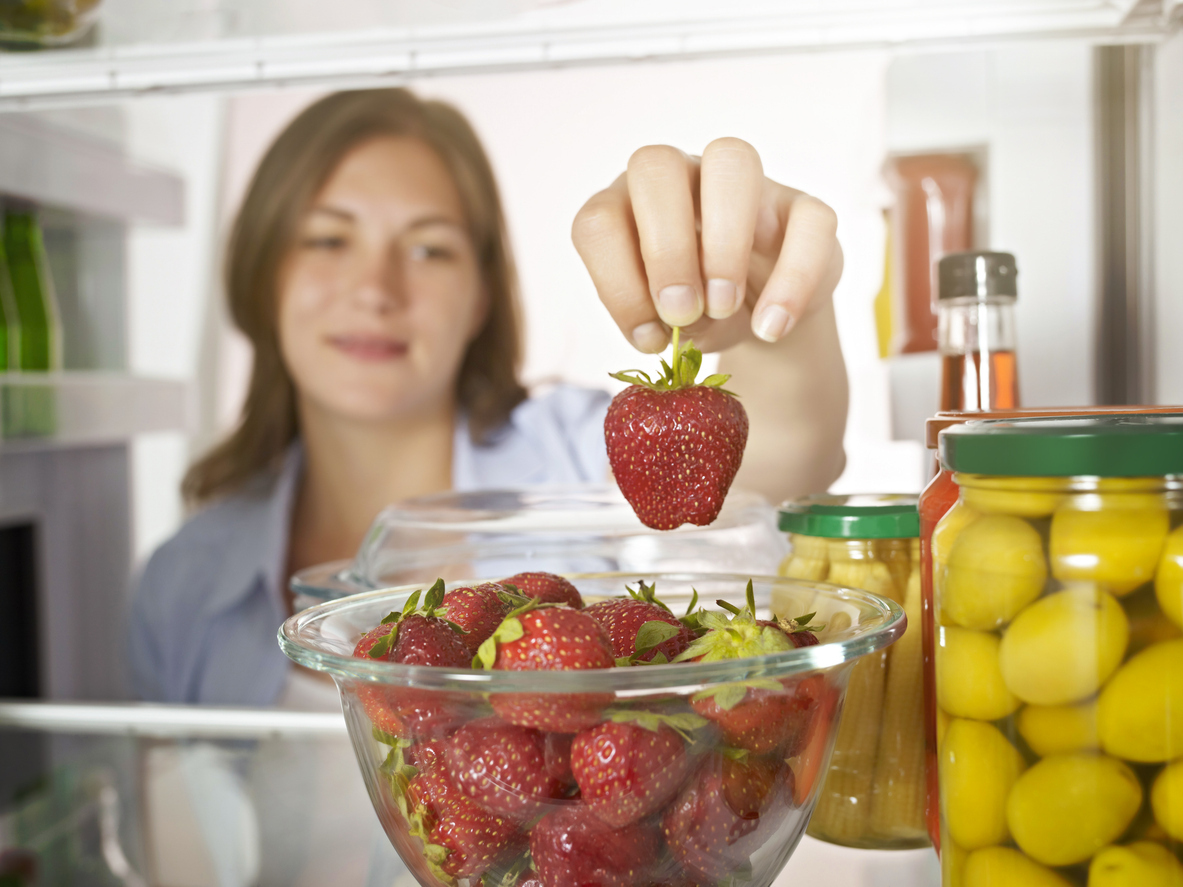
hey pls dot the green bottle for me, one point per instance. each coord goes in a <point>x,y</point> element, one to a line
<point>30,410</point>
<point>10,327</point>
<point>32,289</point>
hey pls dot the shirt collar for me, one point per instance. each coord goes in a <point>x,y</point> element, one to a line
<point>261,550</point>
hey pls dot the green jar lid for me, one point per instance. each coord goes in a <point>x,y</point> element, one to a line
<point>1122,445</point>
<point>881,516</point>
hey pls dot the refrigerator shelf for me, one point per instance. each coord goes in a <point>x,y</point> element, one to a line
<point>141,49</point>
<point>41,411</point>
<point>56,167</point>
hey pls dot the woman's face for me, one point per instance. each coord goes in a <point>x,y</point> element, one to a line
<point>381,293</point>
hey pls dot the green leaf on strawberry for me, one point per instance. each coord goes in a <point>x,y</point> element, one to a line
<point>680,372</point>
<point>399,773</point>
<point>728,696</point>
<point>508,631</point>
<point>431,602</point>
<point>683,723</point>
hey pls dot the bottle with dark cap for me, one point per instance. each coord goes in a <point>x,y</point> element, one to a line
<point>976,331</point>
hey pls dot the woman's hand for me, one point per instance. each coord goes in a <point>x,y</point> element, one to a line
<point>707,244</point>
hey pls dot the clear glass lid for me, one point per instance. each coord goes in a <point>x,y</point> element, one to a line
<point>560,529</point>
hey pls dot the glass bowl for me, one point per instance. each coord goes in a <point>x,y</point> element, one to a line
<point>726,803</point>
<point>578,528</point>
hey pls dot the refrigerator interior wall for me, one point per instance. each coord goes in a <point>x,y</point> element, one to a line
<point>1168,218</point>
<point>1029,107</point>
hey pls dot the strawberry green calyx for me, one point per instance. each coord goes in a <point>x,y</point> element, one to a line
<point>728,696</point>
<point>801,623</point>
<point>507,632</point>
<point>682,723</point>
<point>652,634</point>
<point>399,773</point>
<point>681,373</point>
<point>738,636</point>
<point>432,600</point>
<point>511,595</point>
<point>646,593</point>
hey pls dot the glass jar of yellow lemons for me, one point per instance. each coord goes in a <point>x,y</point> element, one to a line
<point>874,792</point>
<point>1058,613</point>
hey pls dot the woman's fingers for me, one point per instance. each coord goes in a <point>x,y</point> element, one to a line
<point>731,182</point>
<point>809,260</point>
<point>605,236</point>
<point>639,239</point>
<point>662,183</point>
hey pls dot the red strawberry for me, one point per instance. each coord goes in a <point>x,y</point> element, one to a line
<point>462,840</point>
<point>572,847</point>
<point>624,619</point>
<point>799,630</point>
<point>674,445</point>
<point>473,839</point>
<point>546,587</point>
<point>502,768</point>
<point>702,827</point>
<point>426,755</point>
<point>542,637</point>
<point>414,637</point>
<point>557,752</point>
<point>762,715</point>
<point>758,718</point>
<point>750,783</point>
<point>627,769</point>
<point>807,763</point>
<point>477,610</point>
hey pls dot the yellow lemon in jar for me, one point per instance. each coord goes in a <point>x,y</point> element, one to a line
<point>1059,729</point>
<point>1007,867</point>
<point>969,680</point>
<point>947,530</point>
<point>1020,496</point>
<point>996,567</point>
<point>1067,807</point>
<point>978,766</point>
<point>1140,711</point>
<point>1168,581</point>
<point>1166,800</point>
<point>1063,647</point>
<point>1141,864</point>
<point>943,721</point>
<point>1148,624</point>
<point>1117,541</point>
<point>952,862</point>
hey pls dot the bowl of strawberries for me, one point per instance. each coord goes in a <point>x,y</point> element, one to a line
<point>603,729</point>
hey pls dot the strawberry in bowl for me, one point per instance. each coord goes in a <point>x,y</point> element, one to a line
<point>617,744</point>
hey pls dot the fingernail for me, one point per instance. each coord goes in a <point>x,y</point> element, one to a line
<point>772,322</point>
<point>650,338</point>
<point>679,305</point>
<point>721,298</point>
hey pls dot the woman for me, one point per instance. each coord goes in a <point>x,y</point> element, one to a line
<point>369,267</point>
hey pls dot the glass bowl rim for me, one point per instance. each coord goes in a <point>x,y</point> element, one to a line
<point>878,633</point>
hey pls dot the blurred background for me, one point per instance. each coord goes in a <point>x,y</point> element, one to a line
<point>1051,129</point>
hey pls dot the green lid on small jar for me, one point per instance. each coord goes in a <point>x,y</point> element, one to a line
<point>880,516</point>
<point>1123,445</point>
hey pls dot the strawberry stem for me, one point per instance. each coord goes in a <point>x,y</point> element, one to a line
<point>677,360</point>
<point>680,372</point>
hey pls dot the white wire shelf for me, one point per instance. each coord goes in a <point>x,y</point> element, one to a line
<point>75,409</point>
<point>167,721</point>
<point>56,167</point>
<point>253,48</point>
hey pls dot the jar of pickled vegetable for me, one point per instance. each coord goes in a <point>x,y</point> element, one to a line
<point>1058,608</point>
<point>874,792</point>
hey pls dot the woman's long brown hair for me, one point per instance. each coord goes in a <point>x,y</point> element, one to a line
<point>293,171</point>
